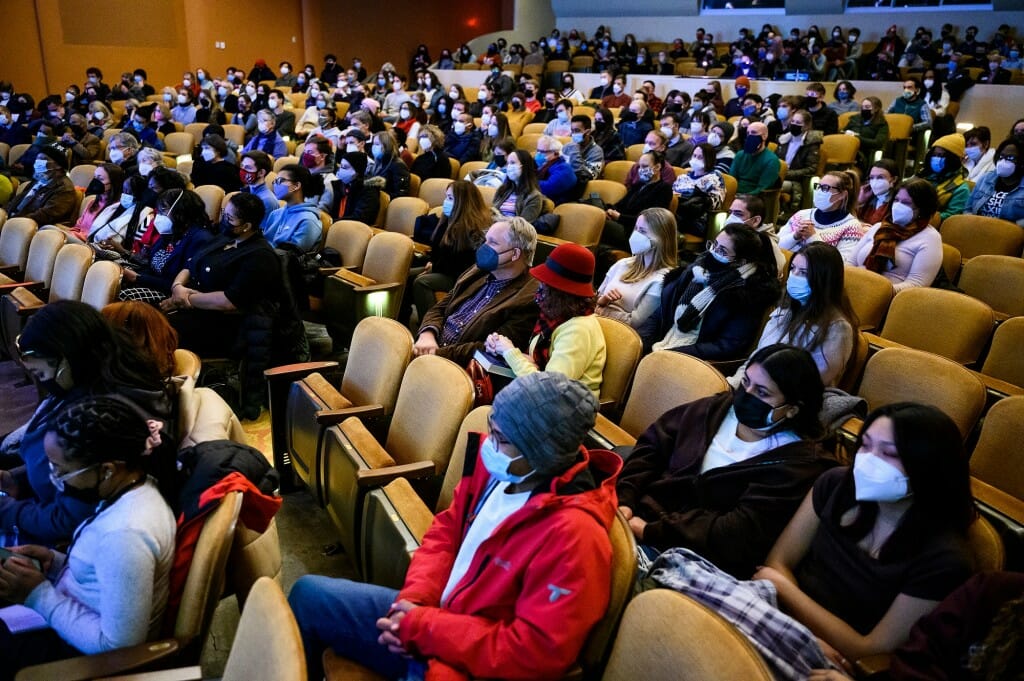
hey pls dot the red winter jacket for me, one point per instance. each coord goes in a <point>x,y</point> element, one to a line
<point>535,587</point>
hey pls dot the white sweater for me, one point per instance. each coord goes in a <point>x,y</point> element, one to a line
<point>114,589</point>
<point>918,258</point>
<point>640,299</point>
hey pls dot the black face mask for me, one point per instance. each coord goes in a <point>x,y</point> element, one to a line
<point>795,129</point>
<point>87,495</point>
<point>866,115</point>
<point>95,188</point>
<point>754,412</point>
<point>499,161</point>
<point>627,116</point>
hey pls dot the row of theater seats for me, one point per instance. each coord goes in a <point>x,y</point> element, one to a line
<point>382,497</point>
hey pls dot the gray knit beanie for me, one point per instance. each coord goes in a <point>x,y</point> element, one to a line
<point>546,416</point>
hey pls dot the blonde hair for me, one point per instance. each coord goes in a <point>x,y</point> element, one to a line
<point>664,245</point>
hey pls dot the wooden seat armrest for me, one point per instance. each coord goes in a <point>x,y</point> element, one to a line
<point>328,271</point>
<point>293,372</point>
<point>553,240</point>
<point>8,286</point>
<point>101,664</point>
<point>379,477</point>
<point>999,388</point>
<point>194,673</point>
<point>1006,504</point>
<point>25,301</point>
<point>611,433</point>
<point>357,280</point>
<point>330,417</point>
<point>377,287</point>
<point>421,249</point>
<point>876,342</point>
<point>873,666</point>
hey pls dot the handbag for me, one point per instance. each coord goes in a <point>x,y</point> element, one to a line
<point>483,387</point>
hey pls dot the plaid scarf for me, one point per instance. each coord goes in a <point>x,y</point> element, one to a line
<point>543,330</point>
<point>882,256</point>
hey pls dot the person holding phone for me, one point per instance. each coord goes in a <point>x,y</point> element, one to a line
<point>111,587</point>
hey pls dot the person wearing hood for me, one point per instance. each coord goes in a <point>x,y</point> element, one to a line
<point>50,197</point>
<point>534,496</point>
<point>298,221</point>
<point>353,200</point>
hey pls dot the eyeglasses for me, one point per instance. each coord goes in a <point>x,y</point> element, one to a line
<point>281,180</point>
<point>718,248</point>
<point>829,188</point>
<point>1011,159</point>
<point>58,480</point>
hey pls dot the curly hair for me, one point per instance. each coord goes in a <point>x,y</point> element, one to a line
<point>97,430</point>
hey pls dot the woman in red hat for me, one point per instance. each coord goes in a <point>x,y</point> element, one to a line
<point>567,337</point>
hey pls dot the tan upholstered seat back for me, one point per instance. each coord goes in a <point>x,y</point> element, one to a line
<point>73,261</point>
<point>988,554</point>
<point>387,258</point>
<point>380,351</point>
<point>1005,360</point>
<point>15,240</point>
<point>904,374</point>
<point>402,214</point>
<point>475,422</point>
<point>179,143</point>
<point>102,282</point>
<point>579,223</point>
<point>943,322</point>
<point>623,347</point>
<point>350,238</point>
<point>870,295</point>
<point>432,190</point>
<point>666,636</point>
<point>187,363</point>
<point>610,192</point>
<point>617,171</point>
<point>42,255</point>
<point>997,280</point>
<point>203,415</point>
<point>81,175</point>
<point>419,432</point>
<point>840,150</point>
<point>254,555</point>
<point>205,581</point>
<point>998,459</point>
<point>262,651</point>
<point>664,380</point>
<point>975,235</point>
<point>213,197</point>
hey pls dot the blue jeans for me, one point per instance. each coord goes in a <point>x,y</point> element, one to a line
<point>342,615</point>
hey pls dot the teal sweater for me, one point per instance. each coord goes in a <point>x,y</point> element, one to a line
<point>755,173</point>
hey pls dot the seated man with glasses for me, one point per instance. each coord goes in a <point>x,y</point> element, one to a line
<point>713,308</point>
<point>509,580</point>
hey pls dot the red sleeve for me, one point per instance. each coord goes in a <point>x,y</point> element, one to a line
<point>564,593</point>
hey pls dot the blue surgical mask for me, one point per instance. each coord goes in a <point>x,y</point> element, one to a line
<point>487,258</point>
<point>798,287</point>
<point>724,259</point>
<point>577,137</point>
<point>446,207</point>
<point>782,113</point>
<point>843,95</point>
<point>937,163</point>
<point>749,110</point>
<point>497,464</point>
<point>127,200</point>
<point>540,159</point>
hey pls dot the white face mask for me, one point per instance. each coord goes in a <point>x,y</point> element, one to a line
<point>646,148</point>
<point>116,156</point>
<point>273,103</point>
<point>352,147</point>
<point>1005,168</point>
<point>822,199</point>
<point>208,155</point>
<point>714,139</point>
<point>145,169</point>
<point>265,128</point>
<point>928,82</point>
<point>285,70</point>
<point>39,166</point>
<point>459,128</point>
<point>425,143</point>
<point>697,164</point>
<point>667,131</point>
<point>696,128</point>
<point>346,175</point>
<point>875,479</point>
<point>182,99</point>
<point>639,243</point>
<point>163,224</point>
<point>879,187</point>
<point>902,214</point>
<point>492,131</point>
<point>250,90</point>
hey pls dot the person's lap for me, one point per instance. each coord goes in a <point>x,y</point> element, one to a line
<point>31,648</point>
<point>342,615</point>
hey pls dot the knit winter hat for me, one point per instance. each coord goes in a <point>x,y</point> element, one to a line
<point>744,81</point>
<point>546,416</point>
<point>954,144</point>
<point>357,159</point>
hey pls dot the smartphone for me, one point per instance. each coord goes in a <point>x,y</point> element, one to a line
<point>7,553</point>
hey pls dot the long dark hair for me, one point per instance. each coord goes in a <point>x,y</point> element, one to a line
<point>931,450</point>
<point>186,210</point>
<point>794,371</point>
<point>100,358</point>
<point>809,322</point>
<point>527,180</point>
<point>754,247</point>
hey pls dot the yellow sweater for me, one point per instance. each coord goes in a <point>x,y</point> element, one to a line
<point>577,351</point>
